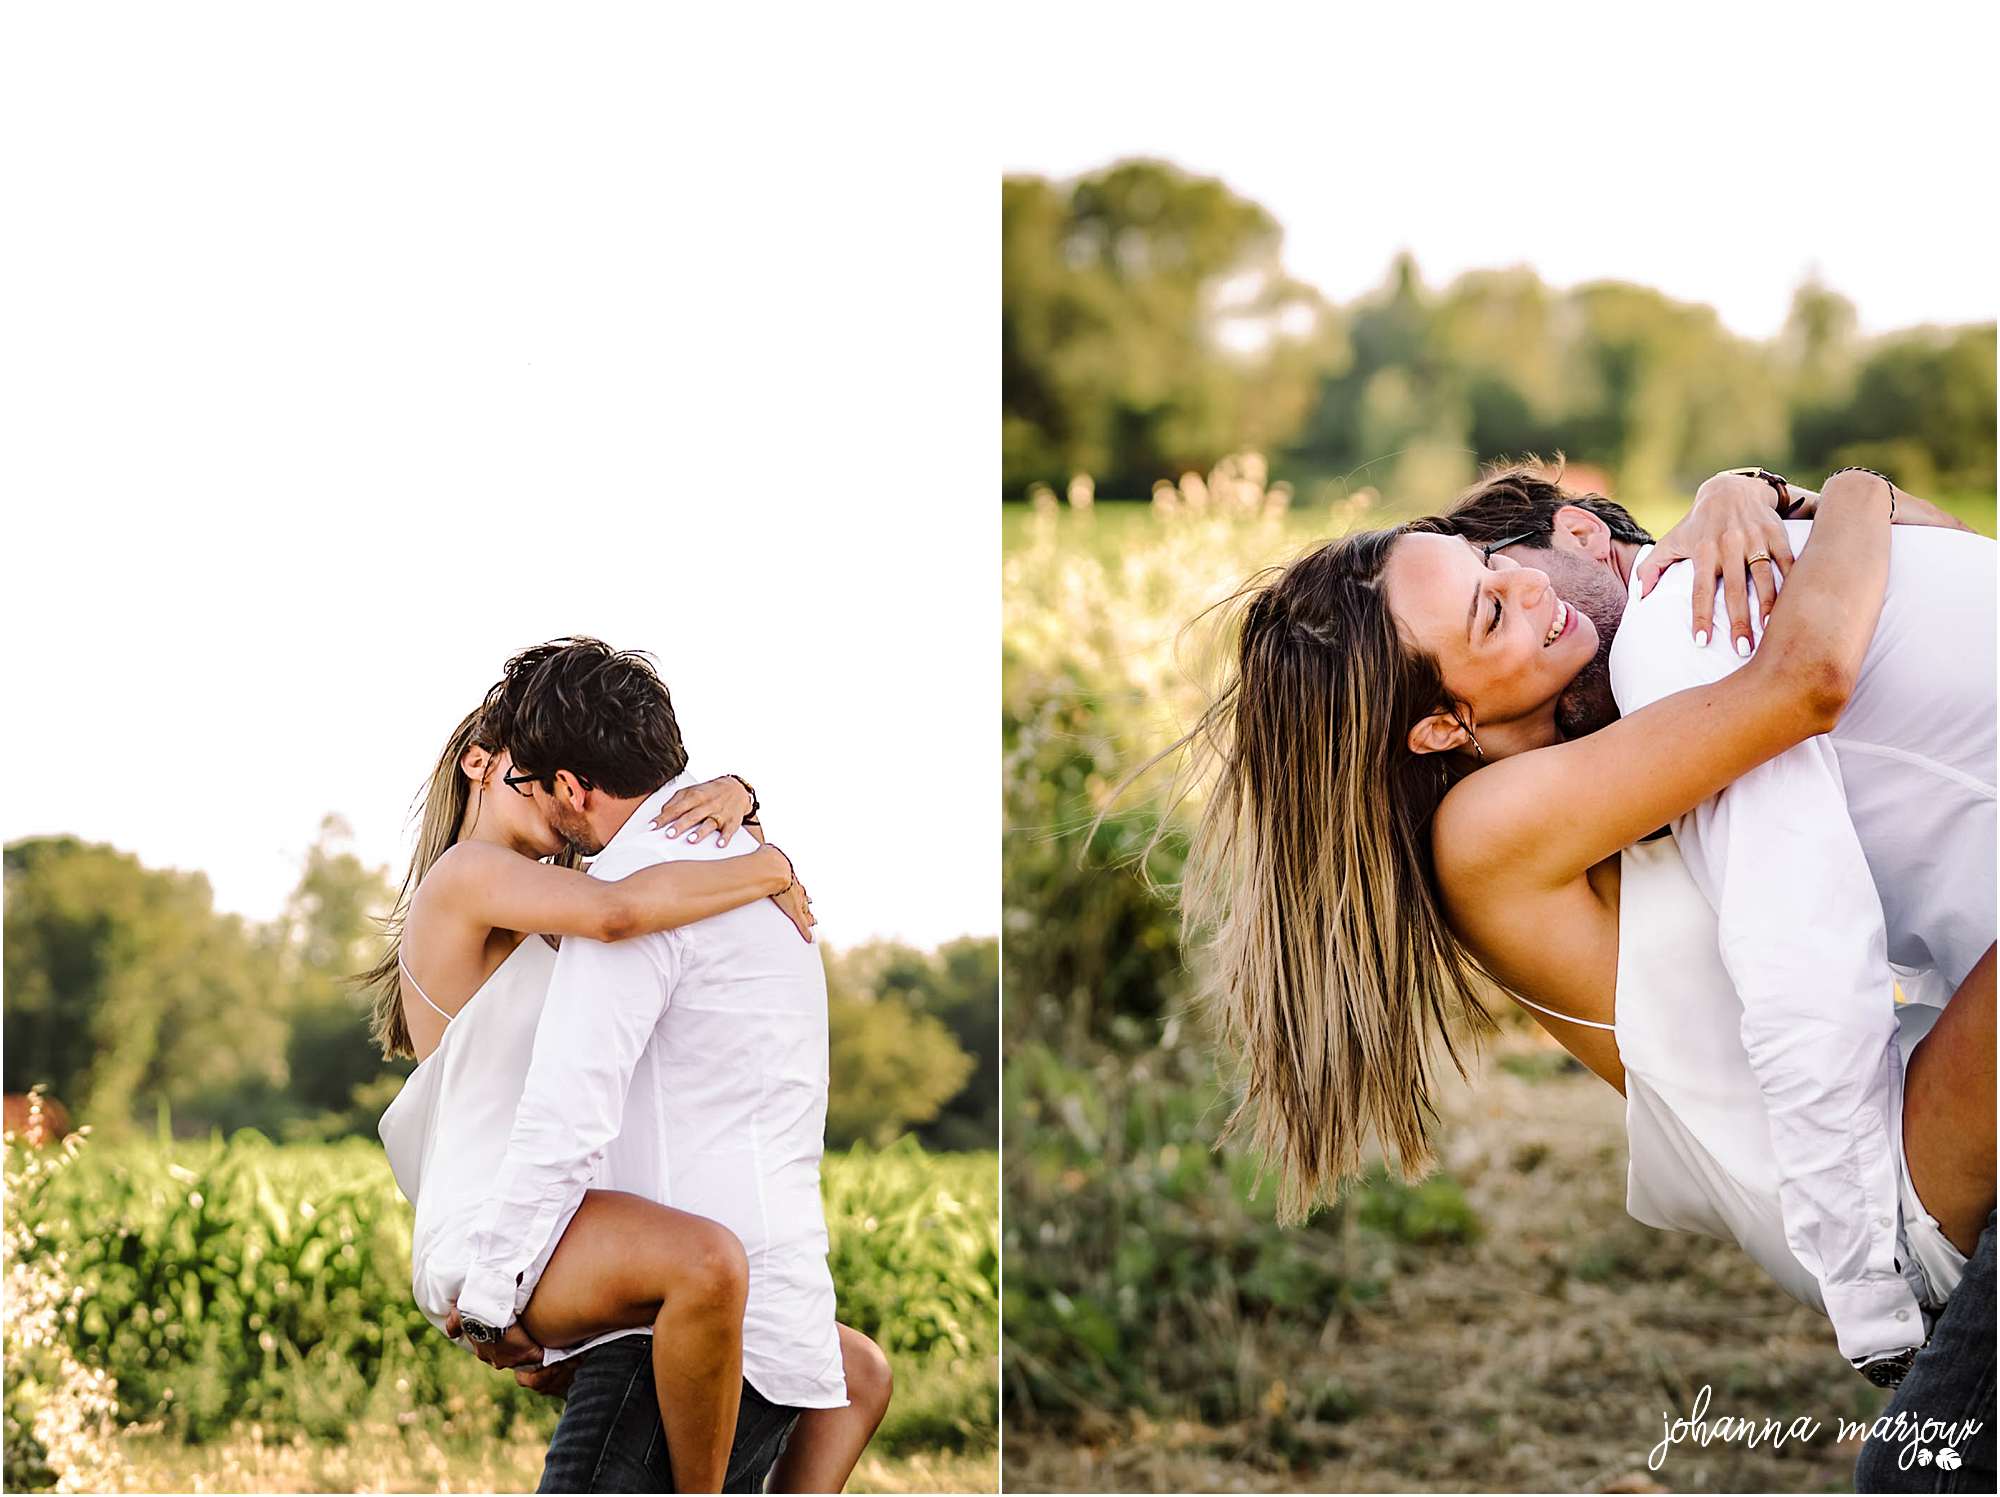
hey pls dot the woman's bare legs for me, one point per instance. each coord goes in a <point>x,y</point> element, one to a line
<point>1948,1111</point>
<point>625,1261</point>
<point>826,1445</point>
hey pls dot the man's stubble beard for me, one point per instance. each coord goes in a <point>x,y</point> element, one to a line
<point>1586,704</point>
<point>574,829</point>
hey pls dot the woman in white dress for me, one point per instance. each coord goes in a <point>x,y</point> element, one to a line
<point>1360,878</point>
<point>461,989</point>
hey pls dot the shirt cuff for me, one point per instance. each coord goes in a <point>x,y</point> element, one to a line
<point>488,1297</point>
<point>1873,1315</point>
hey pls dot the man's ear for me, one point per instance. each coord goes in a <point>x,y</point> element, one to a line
<point>1580,533</point>
<point>1439,733</point>
<point>577,793</point>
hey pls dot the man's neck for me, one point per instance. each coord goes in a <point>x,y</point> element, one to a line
<point>1624,556</point>
<point>609,814</point>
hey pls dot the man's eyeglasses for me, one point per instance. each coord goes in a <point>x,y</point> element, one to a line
<point>520,780</point>
<point>1486,552</point>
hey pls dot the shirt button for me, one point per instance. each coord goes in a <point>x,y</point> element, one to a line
<point>1902,1315</point>
<point>1883,1221</point>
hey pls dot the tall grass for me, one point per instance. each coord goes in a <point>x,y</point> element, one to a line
<point>1145,1270</point>
<point>242,1282</point>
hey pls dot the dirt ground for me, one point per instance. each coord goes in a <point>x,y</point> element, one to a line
<point>1546,1357</point>
<point>247,1462</point>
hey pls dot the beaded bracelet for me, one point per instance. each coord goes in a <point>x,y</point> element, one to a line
<point>1872,473</point>
<point>750,816</point>
<point>791,873</point>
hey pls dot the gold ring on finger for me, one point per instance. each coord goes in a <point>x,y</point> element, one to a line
<point>1759,556</point>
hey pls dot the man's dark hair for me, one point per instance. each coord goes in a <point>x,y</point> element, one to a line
<point>1519,502</point>
<point>602,714</point>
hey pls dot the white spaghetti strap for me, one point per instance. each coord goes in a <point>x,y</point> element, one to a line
<point>420,987</point>
<point>1586,1023</point>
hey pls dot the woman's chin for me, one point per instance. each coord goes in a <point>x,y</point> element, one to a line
<point>1580,647</point>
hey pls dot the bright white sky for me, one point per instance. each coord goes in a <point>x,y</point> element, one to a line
<point>1716,152</point>
<point>352,355</point>
<point>349,350</point>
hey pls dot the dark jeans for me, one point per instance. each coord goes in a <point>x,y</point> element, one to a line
<point>609,1438</point>
<point>1950,1381</point>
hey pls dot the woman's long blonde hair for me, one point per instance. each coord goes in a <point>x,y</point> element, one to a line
<point>439,811</point>
<point>1309,895</point>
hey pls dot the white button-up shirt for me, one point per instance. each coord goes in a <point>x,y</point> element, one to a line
<point>1870,845</point>
<point>689,1067</point>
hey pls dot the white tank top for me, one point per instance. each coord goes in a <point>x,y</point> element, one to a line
<point>446,1132</point>
<point>1701,1157</point>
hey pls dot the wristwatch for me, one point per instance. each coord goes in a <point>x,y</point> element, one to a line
<point>1889,1369</point>
<point>1786,503</point>
<point>479,1332</point>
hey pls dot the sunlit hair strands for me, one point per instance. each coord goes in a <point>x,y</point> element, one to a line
<point>439,812</point>
<point>1323,954</point>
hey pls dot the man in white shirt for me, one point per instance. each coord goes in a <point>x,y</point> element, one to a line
<point>689,1067</point>
<point>1872,845</point>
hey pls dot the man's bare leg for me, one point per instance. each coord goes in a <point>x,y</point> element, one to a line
<point>1948,1111</point>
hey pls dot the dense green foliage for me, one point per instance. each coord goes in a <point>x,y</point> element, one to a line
<point>252,1280</point>
<point>915,1044</point>
<point>125,986</point>
<point>1137,1256</point>
<point>1110,289</point>
<point>129,994</point>
<point>1148,329</point>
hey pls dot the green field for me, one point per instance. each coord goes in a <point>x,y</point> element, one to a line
<point>251,1301</point>
<point>1112,526</point>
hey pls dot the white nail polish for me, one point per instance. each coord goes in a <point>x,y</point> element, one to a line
<point>1701,639</point>
<point>1743,648</point>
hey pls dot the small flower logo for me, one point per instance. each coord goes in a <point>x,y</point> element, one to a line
<point>1947,1459</point>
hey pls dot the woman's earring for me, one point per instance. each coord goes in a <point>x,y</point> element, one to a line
<point>1468,733</point>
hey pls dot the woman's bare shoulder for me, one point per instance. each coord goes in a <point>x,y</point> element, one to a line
<point>460,864</point>
<point>1487,819</point>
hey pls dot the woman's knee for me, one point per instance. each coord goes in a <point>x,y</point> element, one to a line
<point>870,1379</point>
<point>710,1275</point>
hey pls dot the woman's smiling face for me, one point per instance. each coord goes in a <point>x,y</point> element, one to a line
<point>1505,643</point>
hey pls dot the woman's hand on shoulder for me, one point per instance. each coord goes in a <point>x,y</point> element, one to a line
<point>722,803</point>
<point>1734,535</point>
<point>792,899</point>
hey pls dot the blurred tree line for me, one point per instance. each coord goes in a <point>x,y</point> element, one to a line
<point>132,997</point>
<point>1148,329</point>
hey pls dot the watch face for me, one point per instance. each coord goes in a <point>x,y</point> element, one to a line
<point>1887,1372</point>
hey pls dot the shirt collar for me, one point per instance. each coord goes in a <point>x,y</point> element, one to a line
<point>1632,587</point>
<point>640,821</point>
